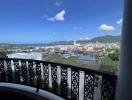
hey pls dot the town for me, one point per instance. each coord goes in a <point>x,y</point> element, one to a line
<point>91,55</point>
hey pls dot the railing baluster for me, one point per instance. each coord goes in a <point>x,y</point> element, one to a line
<point>9,71</point>
<point>46,77</point>
<point>54,78</point>
<point>24,78</point>
<point>2,71</point>
<point>31,72</point>
<point>74,84</point>
<point>59,79</point>
<point>108,88</point>
<point>16,71</point>
<point>89,86</point>
<point>64,82</point>
<point>38,75</point>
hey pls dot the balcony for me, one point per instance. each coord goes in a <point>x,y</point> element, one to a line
<point>65,81</point>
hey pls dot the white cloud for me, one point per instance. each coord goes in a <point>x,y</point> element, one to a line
<point>119,22</point>
<point>87,38</point>
<point>84,38</point>
<point>57,3</point>
<point>58,17</point>
<point>81,38</point>
<point>105,27</point>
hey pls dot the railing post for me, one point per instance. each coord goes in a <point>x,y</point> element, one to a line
<point>124,86</point>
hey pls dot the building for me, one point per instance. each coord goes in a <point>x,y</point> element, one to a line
<point>32,55</point>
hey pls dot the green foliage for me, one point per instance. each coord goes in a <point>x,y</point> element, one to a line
<point>3,54</point>
<point>109,49</point>
<point>3,51</point>
<point>109,68</point>
<point>106,39</point>
<point>97,82</point>
<point>109,65</point>
<point>60,59</point>
<point>115,55</point>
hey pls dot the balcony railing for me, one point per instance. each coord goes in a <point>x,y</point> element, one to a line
<point>66,81</point>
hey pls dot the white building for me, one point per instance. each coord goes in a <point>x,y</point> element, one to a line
<point>32,55</point>
<point>75,43</point>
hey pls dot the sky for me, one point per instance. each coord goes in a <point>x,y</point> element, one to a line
<point>44,21</point>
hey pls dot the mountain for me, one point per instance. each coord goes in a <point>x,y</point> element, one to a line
<point>107,39</point>
<point>102,39</point>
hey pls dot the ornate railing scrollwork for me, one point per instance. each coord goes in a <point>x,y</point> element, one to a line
<point>66,81</point>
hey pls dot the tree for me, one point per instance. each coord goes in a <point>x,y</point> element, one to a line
<point>3,54</point>
<point>115,55</point>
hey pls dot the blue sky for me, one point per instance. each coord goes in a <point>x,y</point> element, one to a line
<point>42,21</point>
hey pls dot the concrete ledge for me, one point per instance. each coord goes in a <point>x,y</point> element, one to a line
<point>28,91</point>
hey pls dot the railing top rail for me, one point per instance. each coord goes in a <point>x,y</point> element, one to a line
<point>103,73</point>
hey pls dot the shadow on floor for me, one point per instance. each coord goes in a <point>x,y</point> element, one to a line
<point>4,95</point>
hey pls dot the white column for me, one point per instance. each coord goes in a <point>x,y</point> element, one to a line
<point>124,86</point>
